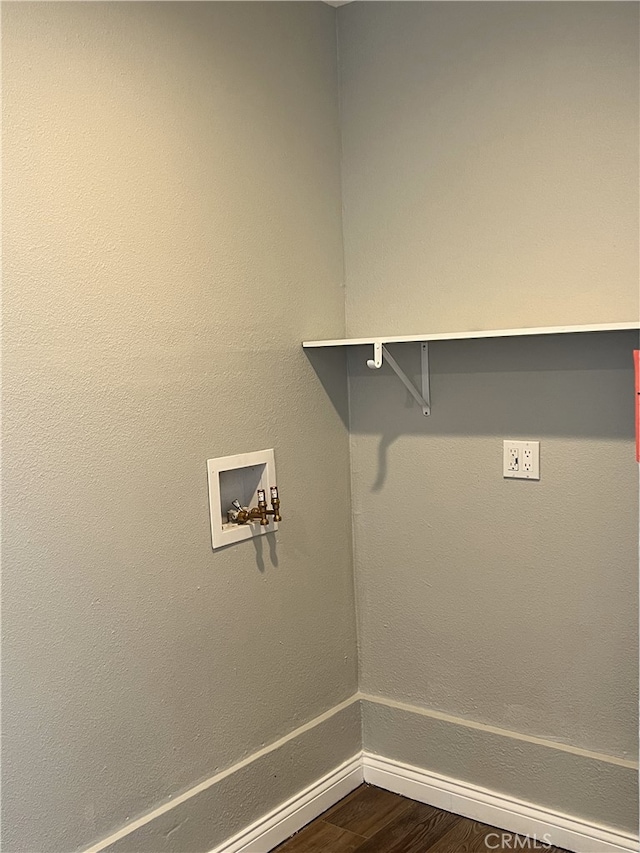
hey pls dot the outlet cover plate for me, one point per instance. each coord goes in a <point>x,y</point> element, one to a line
<point>521,460</point>
<point>238,477</point>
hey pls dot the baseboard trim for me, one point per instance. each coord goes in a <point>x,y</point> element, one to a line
<point>275,827</point>
<point>472,801</point>
<point>178,800</point>
<point>495,809</point>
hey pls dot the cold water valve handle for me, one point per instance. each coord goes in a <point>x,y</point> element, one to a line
<point>275,503</point>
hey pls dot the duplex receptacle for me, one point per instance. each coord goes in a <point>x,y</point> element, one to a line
<point>521,460</point>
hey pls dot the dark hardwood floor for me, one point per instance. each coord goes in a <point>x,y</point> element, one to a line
<point>371,820</point>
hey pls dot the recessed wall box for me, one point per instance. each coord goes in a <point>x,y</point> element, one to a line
<point>238,478</point>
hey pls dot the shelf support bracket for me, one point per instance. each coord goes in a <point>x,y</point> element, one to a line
<point>380,353</point>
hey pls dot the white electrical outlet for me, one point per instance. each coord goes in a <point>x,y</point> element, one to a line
<point>521,460</point>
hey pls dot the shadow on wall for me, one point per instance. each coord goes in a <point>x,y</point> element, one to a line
<point>330,366</point>
<point>574,386</point>
<point>258,543</point>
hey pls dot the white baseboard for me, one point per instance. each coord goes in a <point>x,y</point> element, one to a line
<point>494,809</point>
<point>275,827</point>
<point>509,814</point>
<point>261,836</point>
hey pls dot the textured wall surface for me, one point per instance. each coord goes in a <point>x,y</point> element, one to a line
<point>232,804</point>
<point>507,602</point>
<point>490,173</point>
<point>593,787</point>
<point>171,233</point>
<point>490,164</point>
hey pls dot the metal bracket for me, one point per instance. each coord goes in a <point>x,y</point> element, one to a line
<point>380,352</point>
<point>375,362</point>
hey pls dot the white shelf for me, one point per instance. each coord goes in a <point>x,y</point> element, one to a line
<point>458,336</point>
<point>423,396</point>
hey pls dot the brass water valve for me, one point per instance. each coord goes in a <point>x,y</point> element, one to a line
<point>243,515</point>
<point>275,503</point>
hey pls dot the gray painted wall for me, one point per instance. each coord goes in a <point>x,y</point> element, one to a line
<point>510,602</point>
<point>232,804</point>
<point>172,231</point>
<point>490,180</point>
<point>506,602</point>
<point>584,784</point>
<point>490,164</point>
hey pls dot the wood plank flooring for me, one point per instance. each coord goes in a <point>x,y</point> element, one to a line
<point>371,820</point>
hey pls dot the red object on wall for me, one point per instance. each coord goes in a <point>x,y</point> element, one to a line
<point>636,361</point>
